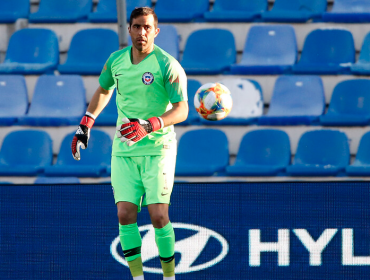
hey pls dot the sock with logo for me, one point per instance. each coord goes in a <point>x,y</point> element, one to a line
<point>131,245</point>
<point>165,240</point>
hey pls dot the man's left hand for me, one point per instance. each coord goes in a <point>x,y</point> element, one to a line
<point>133,130</point>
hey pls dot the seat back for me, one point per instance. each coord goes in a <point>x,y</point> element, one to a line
<point>325,147</point>
<point>325,46</point>
<point>65,7</point>
<point>297,96</point>
<point>109,115</point>
<point>33,46</point>
<point>10,11</point>
<point>363,152</point>
<point>247,97</point>
<point>58,96</point>
<point>264,147</point>
<point>199,50</point>
<point>98,152</point>
<point>351,97</point>
<point>270,45</point>
<point>13,96</point>
<point>92,46</point>
<point>300,5</point>
<point>197,7</point>
<point>345,6</point>
<point>193,86</point>
<point>365,50</point>
<point>27,147</point>
<point>132,4</point>
<point>208,144</point>
<point>241,5</point>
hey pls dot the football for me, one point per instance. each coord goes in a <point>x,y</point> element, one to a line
<point>213,101</point>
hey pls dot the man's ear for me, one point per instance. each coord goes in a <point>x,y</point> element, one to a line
<point>156,32</point>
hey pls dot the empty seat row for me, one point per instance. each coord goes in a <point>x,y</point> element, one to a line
<point>269,49</point>
<point>296,100</point>
<point>61,11</point>
<point>263,152</point>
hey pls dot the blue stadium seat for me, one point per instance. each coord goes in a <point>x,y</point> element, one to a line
<point>25,153</point>
<point>295,11</point>
<point>349,104</point>
<point>362,66</point>
<point>349,11</point>
<point>327,51</point>
<point>56,180</point>
<point>295,100</point>
<point>94,160</point>
<point>62,11</point>
<point>212,148</point>
<point>193,117</point>
<point>247,103</point>
<point>320,153</point>
<point>167,39</point>
<point>109,116</point>
<point>263,152</point>
<point>180,10</point>
<point>361,165</point>
<point>40,56</point>
<point>106,10</point>
<point>199,57</point>
<point>57,100</point>
<point>12,10</point>
<point>86,54</point>
<point>13,98</point>
<point>269,49</point>
<point>236,11</point>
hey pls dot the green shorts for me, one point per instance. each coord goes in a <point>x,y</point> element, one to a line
<point>132,177</point>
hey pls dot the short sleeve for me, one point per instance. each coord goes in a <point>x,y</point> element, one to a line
<point>175,82</point>
<point>106,80</point>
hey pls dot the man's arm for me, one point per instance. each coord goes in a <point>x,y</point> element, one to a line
<point>177,114</point>
<point>99,100</point>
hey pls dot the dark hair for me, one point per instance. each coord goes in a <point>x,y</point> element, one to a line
<point>143,11</point>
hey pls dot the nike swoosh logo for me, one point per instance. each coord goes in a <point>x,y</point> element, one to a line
<point>163,194</point>
<point>118,75</point>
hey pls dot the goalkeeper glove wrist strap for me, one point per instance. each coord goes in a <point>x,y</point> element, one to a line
<point>156,123</point>
<point>88,120</point>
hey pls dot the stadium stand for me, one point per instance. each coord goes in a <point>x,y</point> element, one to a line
<point>13,98</point>
<point>295,11</point>
<point>321,153</point>
<point>247,102</point>
<point>269,49</point>
<point>349,11</point>
<point>53,97</point>
<point>108,117</point>
<point>167,39</point>
<point>180,10</point>
<point>349,105</point>
<point>56,180</point>
<point>214,153</point>
<point>295,100</point>
<point>40,56</point>
<point>94,160</point>
<point>327,51</point>
<point>87,54</point>
<point>10,11</point>
<point>362,66</point>
<point>361,165</point>
<point>199,59</point>
<point>61,11</point>
<point>193,116</point>
<point>263,152</point>
<point>36,153</point>
<point>236,11</point>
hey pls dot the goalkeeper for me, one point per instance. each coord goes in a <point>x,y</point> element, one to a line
<point>151,97</point>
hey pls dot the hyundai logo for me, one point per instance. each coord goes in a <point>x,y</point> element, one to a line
<point>190,248</point>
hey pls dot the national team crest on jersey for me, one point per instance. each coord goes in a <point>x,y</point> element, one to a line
<point>147,78</point>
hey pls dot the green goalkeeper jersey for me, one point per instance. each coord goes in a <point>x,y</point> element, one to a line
<point>145,90</point>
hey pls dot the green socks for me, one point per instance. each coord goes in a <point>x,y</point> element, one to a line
<point>131,245</point>
<point>165,240</point>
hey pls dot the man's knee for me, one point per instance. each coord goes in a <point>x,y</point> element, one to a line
<point>159,219</point>
<point>127,214</point>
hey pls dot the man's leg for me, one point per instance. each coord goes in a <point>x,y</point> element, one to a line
<point>164,238</point>
<point>130,238</point>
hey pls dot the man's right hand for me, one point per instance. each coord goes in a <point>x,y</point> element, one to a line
<point>82,136</point>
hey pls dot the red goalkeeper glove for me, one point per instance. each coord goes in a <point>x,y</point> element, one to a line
<point>133,130</point>
<point>82,135</point>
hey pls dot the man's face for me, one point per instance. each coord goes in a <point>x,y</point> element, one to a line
<point>143,32</point>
